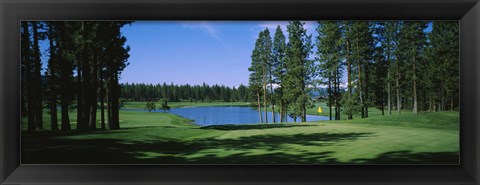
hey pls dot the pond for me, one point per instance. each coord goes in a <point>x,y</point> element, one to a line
<point>220,115</point>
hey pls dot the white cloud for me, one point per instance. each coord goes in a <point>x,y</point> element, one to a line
<point>206,27</point>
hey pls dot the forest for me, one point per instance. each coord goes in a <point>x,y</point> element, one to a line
<point>394,66</point>
<point>389,65</point>
<point>177,93</point>
<point>85,61</point>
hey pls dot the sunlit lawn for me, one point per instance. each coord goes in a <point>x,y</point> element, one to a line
<point>153,138</point>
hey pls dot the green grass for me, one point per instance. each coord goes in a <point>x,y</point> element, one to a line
<point>159,138</point>
<point>372,111</point>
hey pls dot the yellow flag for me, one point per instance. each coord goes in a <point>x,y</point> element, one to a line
<point>319,110</point>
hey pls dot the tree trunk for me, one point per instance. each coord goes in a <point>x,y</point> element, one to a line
<point>398,88</point>
<point>37,79</point>
<point>383,100</point>
<point>360,90</point>
<point>109,99</point>
<point>272,102</point>
<point>414,87</point>
<point>337,96</point>
<point>115,101</point>
<point>64,96</point>
<point>366,71</point>
<point>430,104</point>
<point>303,87</point>
<point>102,101</point>
<point>79,98</point>
<point>65,118</point>
<point>85,81</point>
<point>443,100</point>
<point>330,97</point>
<point>94,94</point>
<point>451,103</point>
<point>259,106</point>
<point>65,75</point>
<point>335,93</point>
<point>26,55</point>
<point>349,81</point>
<point>389,106</point>
<point>265,94</point>
<point>304,114</point>
<point>282,105</point>
<point>53,83</point>
<point>109,110</point>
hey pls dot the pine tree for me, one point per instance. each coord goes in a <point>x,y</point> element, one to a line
<point>37,85</point>
<point>412,45</point>
<point>380,71</point>
<point>360,34</point>
<point>28,72</point>
<point>278,57</point>
<point>387,35</point>
<point>443,65</point>
<point>300,69</point>
<point>265,56</point>
<point>117,55</point>
<point>348,101</point>
<point>52,75</point>
<point>329,46</point>
<point>66,59</point>
<point>255,77</point>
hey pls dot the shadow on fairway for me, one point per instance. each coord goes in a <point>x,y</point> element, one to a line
<point>60,150</point>
<point>251,127</point>
<point>38,149</point>
<point>409,157</point>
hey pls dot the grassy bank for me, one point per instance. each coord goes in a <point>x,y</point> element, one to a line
<point>153,138</point>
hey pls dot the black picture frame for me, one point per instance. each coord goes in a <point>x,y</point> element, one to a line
<point>13,11</point>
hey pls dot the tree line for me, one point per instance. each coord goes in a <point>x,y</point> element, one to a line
<point>175,93</point>
<point>82,72</point>
<point>392,65</point>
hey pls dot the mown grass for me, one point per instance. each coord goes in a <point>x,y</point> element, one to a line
<point>162,138</point>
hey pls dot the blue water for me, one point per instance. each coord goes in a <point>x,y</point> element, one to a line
<point>220,115</point>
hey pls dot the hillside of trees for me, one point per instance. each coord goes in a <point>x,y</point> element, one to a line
<point>82,73</point>
<point>396,66</point>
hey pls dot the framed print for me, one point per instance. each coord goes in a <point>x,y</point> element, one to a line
<point>243,92</point>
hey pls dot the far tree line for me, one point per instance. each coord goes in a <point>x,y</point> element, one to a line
<point>193,93</point>
<point>82,72</point>
<point>392,65</point>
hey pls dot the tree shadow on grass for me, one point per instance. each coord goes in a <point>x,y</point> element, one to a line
<point>157,150</point>
<point>409,157</point>
<point>256,126</point>
<point>274,142</point>
<point>63,150</point>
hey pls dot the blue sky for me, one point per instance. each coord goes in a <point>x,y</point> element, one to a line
<point>193,52</point>
<point>214,52</point>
